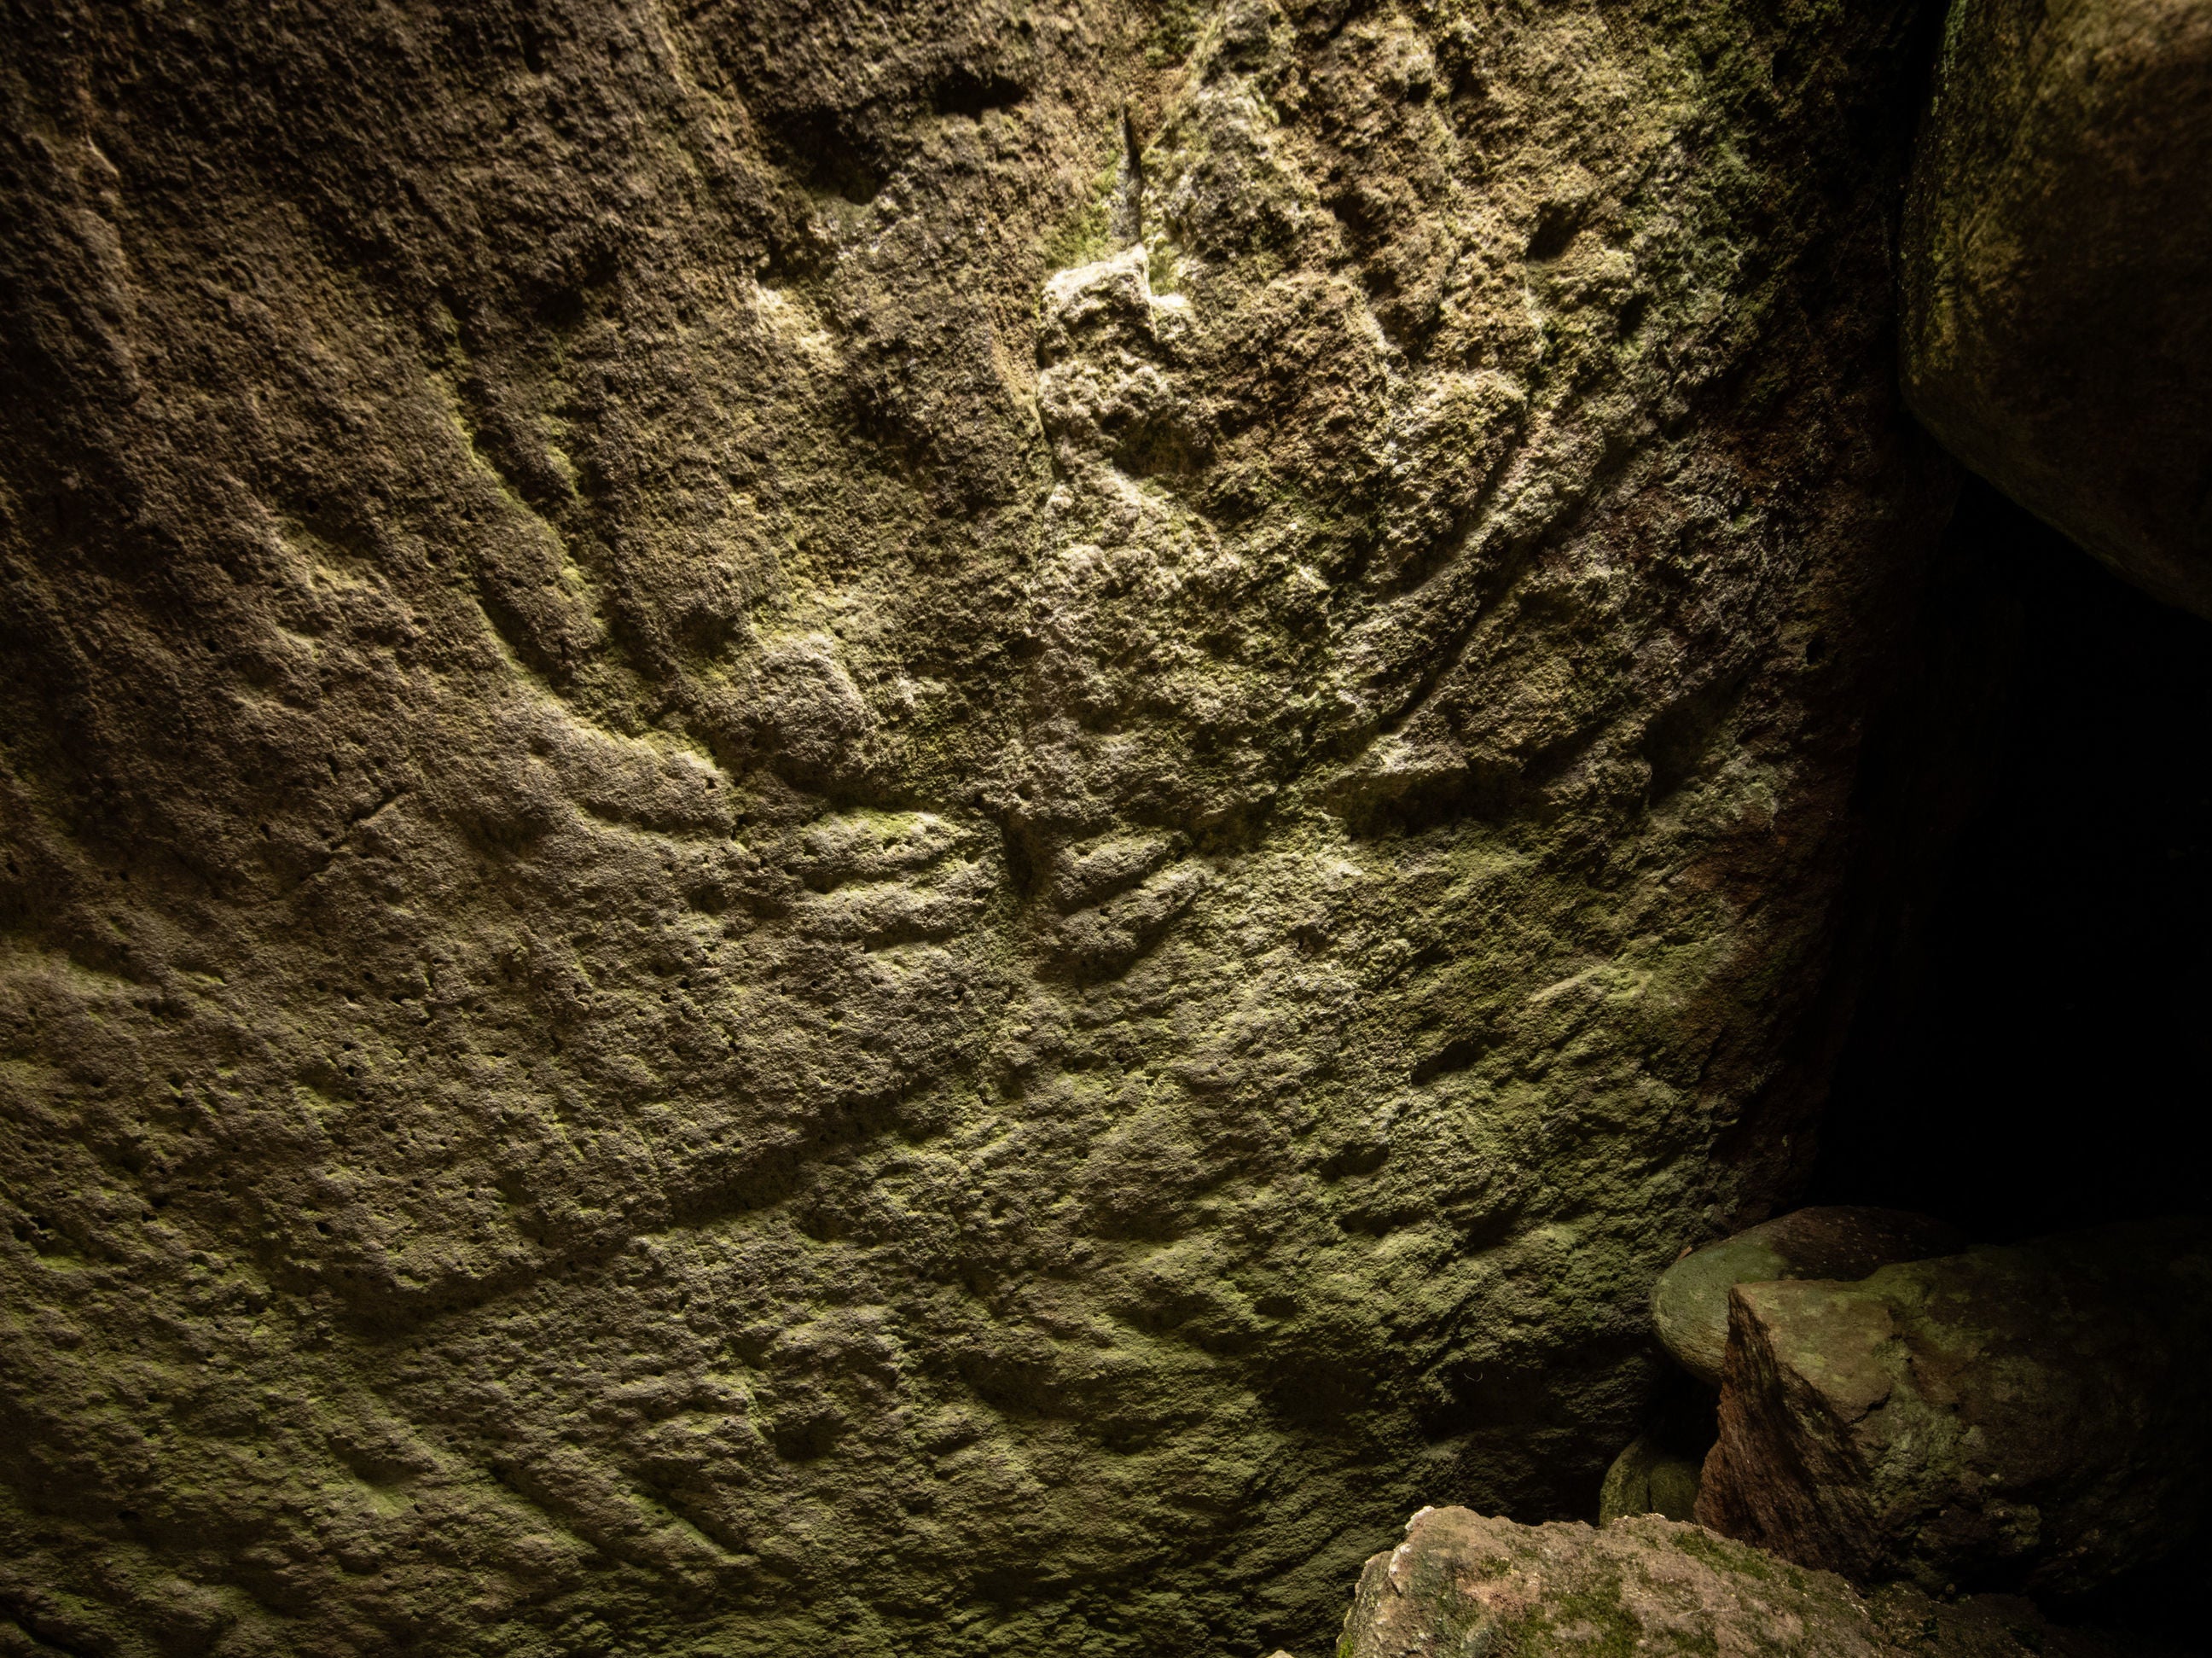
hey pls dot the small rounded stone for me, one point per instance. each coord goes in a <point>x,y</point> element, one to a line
<point>1648,1478</point>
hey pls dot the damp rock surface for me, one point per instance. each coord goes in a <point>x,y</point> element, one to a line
<point>1462,1582</point>
<point>2057,251</point>
<point>2036,1418</point>
<point>756,896</point>
<point>1690,1303</point>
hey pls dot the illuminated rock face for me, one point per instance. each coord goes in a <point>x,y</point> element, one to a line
<point>934,829</point>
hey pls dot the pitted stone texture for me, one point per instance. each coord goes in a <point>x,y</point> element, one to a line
<point>1464,1583</point>
<point>2058,249</point>
<point>755,901</point>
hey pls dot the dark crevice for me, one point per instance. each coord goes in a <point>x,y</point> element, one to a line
<point>829,157</point>
<point>973,93</point>
<point>2031,1046</point>
<point>2021,1056</point>
<point>1458,1055</point>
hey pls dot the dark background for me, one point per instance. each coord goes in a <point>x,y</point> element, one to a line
<point>2032,1048</point>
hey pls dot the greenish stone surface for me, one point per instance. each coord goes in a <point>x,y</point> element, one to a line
<point>1462,1584</point>
<point>2036,1418</point>
<point>757,901</point>
<point>1690,1302</point>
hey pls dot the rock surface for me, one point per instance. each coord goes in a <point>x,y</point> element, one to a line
<point>757,898</point>
<point>2036,1418</point>
<point>1690,1302</point>
<point>1462,1584</point>
<point>2058,250</point>
<point>1648,1478</point>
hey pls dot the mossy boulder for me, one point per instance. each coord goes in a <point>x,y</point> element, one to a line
<point>2036,1418</point>
<point>1690,1302</point>
<point>2058,250</point>
<point>1462,1582</point>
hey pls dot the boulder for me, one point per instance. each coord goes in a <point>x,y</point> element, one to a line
<point>1463,1583</point>
<point>2058,248</point>
<point>1649,1477</point>
<point>1690,1302</point>
<point>2036,1418</point>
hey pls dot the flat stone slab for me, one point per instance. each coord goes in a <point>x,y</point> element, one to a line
<point>1689,1304</point>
